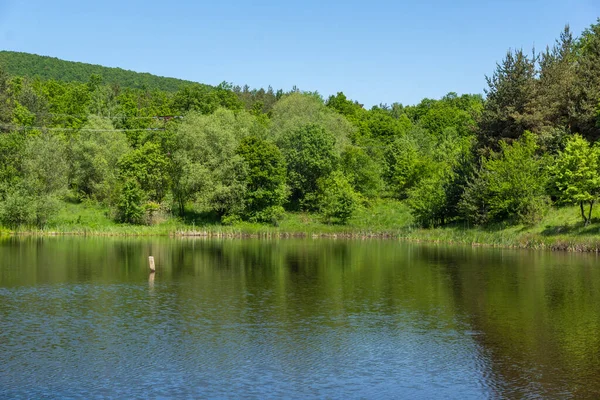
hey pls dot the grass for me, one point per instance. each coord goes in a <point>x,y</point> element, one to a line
<point>561,229</point>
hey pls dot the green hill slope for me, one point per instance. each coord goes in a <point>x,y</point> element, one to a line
<point>33,65</point>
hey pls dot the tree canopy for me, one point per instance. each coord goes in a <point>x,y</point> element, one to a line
<point>138,144</point>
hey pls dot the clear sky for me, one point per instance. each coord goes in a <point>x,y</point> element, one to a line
<point>374,51</point>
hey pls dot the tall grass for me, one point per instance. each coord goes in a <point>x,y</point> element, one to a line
<point>561,229</point>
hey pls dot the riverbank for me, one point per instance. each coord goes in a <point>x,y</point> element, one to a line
<point>560,230</point>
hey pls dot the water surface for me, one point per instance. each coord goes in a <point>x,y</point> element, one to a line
<point>82,317</point>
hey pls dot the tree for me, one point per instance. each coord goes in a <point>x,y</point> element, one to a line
<point>30,105</point>
<point>310,155</point>
<point>362,172</point>
<point>553,95</point>
<point>428,199</point>
<point>206,168</point>
<point>6,104</point>
<point>266,190</point>
<point>384,126</point>
<point>206,99</point>
<point>354,113</point>
<point>509,92</point>
<point>33,198</point>
<point>434,199</point>
<point>587,84</point>
<point>451,111</point>
<point>45,165</point>
<point>149,167</point>
<point>68,102</point>
<point>337,199</point>
<point>297,110</point>
<point>12,147</point>
<point>95,154</point>
<point>130,203</point>
<point>407,161</point>
<point>509,185</point>
<point>575,175</point>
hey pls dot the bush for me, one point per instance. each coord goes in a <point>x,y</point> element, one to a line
<point>17,209</point>
<point>336,198</point>
<point>428,201</point>
<point>130,207</point>
<point>21,208</point>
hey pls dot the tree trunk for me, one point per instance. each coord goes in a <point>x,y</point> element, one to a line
<point>589,221</point>
<point>181,204</point>
<point>583,213</point>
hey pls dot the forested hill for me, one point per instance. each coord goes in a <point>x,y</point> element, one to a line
<point>33,65</point>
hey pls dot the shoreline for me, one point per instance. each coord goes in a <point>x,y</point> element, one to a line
<point>448,236</point>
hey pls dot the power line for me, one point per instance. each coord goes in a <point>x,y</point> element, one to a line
<point>157,117</point>
<point>26,128</point>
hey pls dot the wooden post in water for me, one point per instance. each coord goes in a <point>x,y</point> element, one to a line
<point>151,264</point>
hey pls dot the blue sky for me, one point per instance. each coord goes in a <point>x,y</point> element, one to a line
<point>375,52</point>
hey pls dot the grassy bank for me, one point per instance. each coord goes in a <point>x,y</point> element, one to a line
<point>561,229</point>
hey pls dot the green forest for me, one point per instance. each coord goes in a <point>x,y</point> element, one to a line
<point>145,149</point>
<point>35,66</point>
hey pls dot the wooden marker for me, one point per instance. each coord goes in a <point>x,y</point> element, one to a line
<point>151,263</point>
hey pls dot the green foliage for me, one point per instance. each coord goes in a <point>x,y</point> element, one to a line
<point>552,103</point>
<point>32,65</point>
<point>354,113</point>
<point>44,165</point>
<point>337,199</point>
<point>586,85</point>
<point>240,154</point>
<point>257,101</point>
<point>130,203</point>
<point>433,200</point>
<point>12,147</point>
<point>206,169</point>
<point>95,154</point>
<point>36,184</point>
<point>362,172</point>
<point>383,125</point>
<point>427,200</point>
<point>297,110</point>
<point>574,176</point>
<point>310,155</point>
<point>459,113</point>
<point>6,100</point>
<point>341,104</point>
<point>205,99</point>
<point>149,167</point>
<point>68,102</point>
<point>407,161</point>
<point>266,189</point>
<point>509,185</point>
<point>20,207</point>
<point>17,208</point>
<point>510,90</point>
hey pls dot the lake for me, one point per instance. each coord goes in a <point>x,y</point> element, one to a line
<point>291,318</point>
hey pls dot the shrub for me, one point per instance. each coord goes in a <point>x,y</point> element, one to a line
<point>130,203</point>
<point>336,198</point>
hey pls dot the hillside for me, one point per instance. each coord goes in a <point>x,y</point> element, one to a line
<point>33,65</point>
